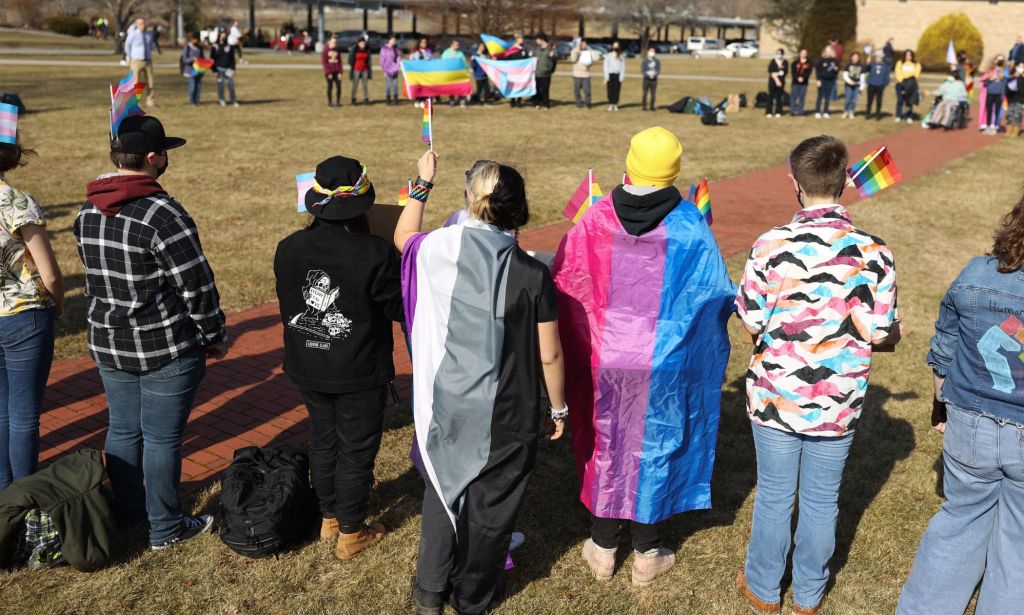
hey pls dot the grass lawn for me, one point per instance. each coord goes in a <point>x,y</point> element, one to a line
<point>236,177</point>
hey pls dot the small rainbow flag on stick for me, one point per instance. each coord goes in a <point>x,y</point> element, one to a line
<point>8,123</point>
<point>124,101</point>
<point>201,65</point>
<point>586,195</point>
<point>403,194</point>
<point>701,197</point>
<point>876,172</point>
<point>303,183</point>
<point>428,123</point>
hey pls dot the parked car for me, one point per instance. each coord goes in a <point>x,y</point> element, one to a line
<point>712,48</point>
<point>744,50</point>
<point>698,43</point>
<point>662,47</point>
<point>679,47</point>
<point>348,38</point>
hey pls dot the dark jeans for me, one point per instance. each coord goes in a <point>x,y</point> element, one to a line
<point>775,93</point>
<point>473,564</point>
<point>345,432</point>
<point>333,83</point>
<point>195,85</point>
<point>908,98</point>
<point>614,88</point>
<point>605,533</point>
<point>543,97</point>
<point>798,97</point>
<point>993,107</point>
<point>148,414</point>
<point>875,93</point>
<point>650,86</point>
<point>482,91</point>
<point>26,353</point>
<point>828,86</point>
<point>899,100</point>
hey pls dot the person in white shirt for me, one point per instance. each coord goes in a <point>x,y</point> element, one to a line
<point>235,39</point>
<point>581,59</point>
<point>614,73</point>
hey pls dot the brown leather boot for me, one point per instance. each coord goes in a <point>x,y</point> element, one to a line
<point>799,610</point>
<point>329,529</point>
<point>756,604</point>
<point>350,545</point>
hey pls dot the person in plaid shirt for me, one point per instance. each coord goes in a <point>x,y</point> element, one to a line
<point>154,318</point>
<point>818,296</point>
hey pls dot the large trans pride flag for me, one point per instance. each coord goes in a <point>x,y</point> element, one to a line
<point>512,78</point>
<point>643,326</point>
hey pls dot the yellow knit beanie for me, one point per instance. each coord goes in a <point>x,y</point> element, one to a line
<point>653,158</point>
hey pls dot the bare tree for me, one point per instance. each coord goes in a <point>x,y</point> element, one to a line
<point>121,11</point>
<point>787,19</point>
<point>641,17</point>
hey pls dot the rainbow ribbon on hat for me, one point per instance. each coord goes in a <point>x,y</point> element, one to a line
<point>360,188</point>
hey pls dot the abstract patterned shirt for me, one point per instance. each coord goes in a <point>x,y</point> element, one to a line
<point>819,291</point>
<point>21,288</point>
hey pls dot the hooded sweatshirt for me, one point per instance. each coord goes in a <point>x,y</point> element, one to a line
<point>641,213</point>
<point>109,193</point>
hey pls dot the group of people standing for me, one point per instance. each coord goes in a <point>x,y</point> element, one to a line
<point>225,52</point>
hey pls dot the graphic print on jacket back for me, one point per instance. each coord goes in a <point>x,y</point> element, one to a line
<point>322,318</point>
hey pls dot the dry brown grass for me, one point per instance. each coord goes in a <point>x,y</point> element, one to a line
<point>235,177</point>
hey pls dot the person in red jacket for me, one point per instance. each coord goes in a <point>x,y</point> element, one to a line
<point>330,59</point>
<point>361,69</point>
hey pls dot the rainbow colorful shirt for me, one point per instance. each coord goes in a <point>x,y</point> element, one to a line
<point>20,285</point>
<point>818,290</point>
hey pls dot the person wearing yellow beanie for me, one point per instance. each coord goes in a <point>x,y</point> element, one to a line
<point>653,158</point>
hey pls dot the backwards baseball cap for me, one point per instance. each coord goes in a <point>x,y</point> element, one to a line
<point>143,134</point>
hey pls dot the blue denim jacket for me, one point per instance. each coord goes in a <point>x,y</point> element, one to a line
<point>979,341</point>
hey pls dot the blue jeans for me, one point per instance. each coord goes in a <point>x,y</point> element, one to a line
<point>390,86</point>
<point>850,98</point>
<point>781,466</point>
<point>825,92</point>
<point>222,79</point>
<point>899,101</point>
<point>26,352</point>
<point>976,535</point>
<point>194,85</point>
<point>148,413</point>
<point>797,99</point>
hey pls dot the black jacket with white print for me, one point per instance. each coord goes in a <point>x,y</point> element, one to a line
<point>339,289</point>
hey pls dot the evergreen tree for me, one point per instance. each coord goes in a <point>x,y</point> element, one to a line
<point>829,19</point>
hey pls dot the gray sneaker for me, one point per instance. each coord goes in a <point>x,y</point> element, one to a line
<point>190,528</point>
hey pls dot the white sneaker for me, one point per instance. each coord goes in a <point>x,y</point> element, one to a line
<point>223,104</point>
<point>898,119</point>
<point>778,115</point>
<point>983,128</point>
<point>910,120</point>
<point>825,115</point>
<point>817,116</point>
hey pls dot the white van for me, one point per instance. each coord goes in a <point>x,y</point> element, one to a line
<point>700,43</point>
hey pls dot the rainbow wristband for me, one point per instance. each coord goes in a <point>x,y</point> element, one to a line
<point>419,193</point>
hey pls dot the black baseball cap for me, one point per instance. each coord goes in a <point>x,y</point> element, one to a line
<point>142,134</point>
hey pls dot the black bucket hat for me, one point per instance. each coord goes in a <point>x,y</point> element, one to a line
<point>341,190</point>
<point>142,134</point>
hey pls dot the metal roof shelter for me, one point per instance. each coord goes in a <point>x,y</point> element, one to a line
<point>365,5</point>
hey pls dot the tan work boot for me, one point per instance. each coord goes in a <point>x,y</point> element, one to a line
<point>651,564</point>
<point>756,604</point>
<point>600,560</point>
<point>350,545</point>
<point>329,529</point>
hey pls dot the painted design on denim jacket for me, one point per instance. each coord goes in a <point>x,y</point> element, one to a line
<point>819,290</point>
<point>1009,336</point>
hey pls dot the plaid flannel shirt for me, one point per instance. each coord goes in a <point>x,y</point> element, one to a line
<point>151,291</point>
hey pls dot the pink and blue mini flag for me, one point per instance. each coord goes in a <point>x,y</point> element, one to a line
<point>124,101</point>
<point>8,123</point>
<point>303,183</point>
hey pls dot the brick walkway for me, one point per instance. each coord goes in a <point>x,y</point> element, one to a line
<point>247,400</point>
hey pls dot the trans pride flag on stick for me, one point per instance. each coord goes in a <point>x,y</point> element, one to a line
<point>876,172</point>
<point>303,183</point>
<point>124,101</point>
<point>444,77</point>
<point>8,123</point>
<point>586,195</point>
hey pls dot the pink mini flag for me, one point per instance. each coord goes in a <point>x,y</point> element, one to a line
<point>8,123</point>
<point>303,183</point>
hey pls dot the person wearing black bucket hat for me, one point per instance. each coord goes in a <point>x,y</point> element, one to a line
<point>339,291</point>
<point>154,318</point>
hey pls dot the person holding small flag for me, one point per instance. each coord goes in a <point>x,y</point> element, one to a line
<point>193,51</point>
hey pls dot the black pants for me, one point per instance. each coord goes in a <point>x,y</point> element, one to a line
<point>605,533</point>
<point>775,93</point>
<point>482,91</point>
<point>650,87</point>
<point>614,87</point>
<point>543,92</point>
<point>473,564</point>
<point>910,94</point>
<point>345,437</point>
<point>333,81</point>
<point>874,98</point>
<point>993,105</point>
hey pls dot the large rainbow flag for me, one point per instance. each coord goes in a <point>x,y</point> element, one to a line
<point>444,77</point>
<point>586,195</point>
<point>124,101</point>
<point>643,326</point>
<point>495,46</point>
<point>874,173</point>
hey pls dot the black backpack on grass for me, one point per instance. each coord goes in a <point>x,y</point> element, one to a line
<point>266,502</point>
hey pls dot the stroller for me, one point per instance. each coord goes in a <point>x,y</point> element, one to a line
<point>949,117</point>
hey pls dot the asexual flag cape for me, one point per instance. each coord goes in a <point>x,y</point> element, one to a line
<point>469,304</point>
<point>643,327</point>
<point>512,78</point>
<point>444,77</point>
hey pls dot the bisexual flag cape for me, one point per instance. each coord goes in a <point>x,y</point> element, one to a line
<point>472,303</point>
<point>643,329</point>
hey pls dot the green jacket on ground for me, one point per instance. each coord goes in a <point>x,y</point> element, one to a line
<point>70,491</point>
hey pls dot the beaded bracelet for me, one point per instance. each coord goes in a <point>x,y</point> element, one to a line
<point>419,193</point>
<point>559,415</point>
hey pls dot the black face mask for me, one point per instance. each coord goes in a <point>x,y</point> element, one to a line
<point>163,169</point>
<point>1000,63</point>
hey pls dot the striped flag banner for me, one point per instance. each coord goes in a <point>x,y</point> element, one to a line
<point>428,123</point>
<point>403,194</point>
<point>124,101</point>
<point>587,193</point>
<point>303,183</point>
<point>8,123</point>
<point>874,173</point>
<point>512,78</point>
<point>444,77</point>
<point>495,46</point>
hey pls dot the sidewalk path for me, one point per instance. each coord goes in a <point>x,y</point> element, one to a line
<point>246,399</point>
